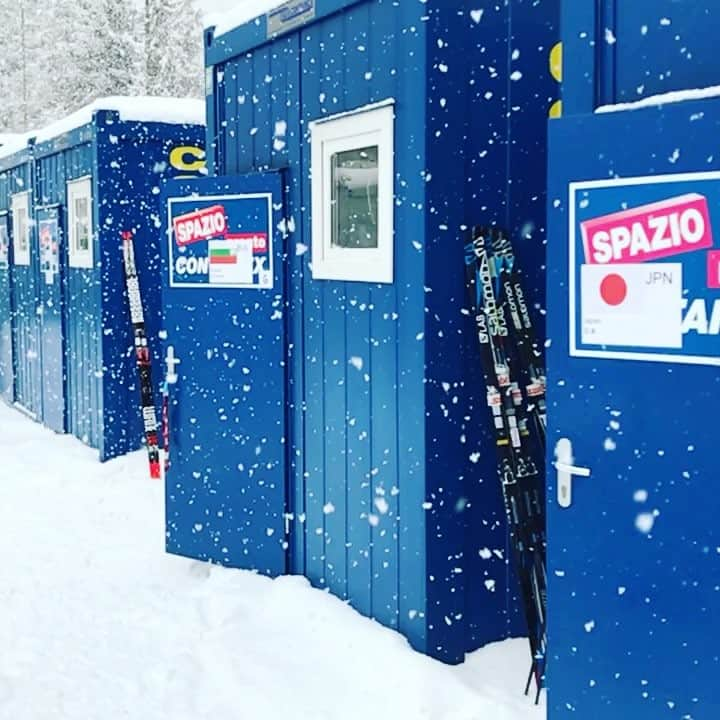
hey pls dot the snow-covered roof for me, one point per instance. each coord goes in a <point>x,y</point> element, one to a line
<point>6,138</point>
<point>12,143</point>
<point>172,111</point>
<point>663,99</point>
<point>245,11</point>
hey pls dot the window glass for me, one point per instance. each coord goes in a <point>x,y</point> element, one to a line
<point>21,229</point>
<point>355,176</point>
<point>82,225</point>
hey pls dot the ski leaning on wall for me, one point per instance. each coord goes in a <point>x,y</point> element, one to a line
<point>142,354</point>
<point>510,361</point>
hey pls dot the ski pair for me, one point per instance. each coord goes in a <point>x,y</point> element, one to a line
<point>143,361</point>
<point>490,269</point>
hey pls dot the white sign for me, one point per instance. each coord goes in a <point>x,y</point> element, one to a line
<point>638,305</point>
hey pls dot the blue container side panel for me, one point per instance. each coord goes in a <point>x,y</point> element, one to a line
<point>534,30</point>
<point>622,51</point>
<point>133,159</point>
<point>489,613</point>
<point>356,469</point>
<point>56,165</point>
<point>488,113</point>
<point>446,429</point>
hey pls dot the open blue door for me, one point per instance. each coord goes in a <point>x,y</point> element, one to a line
<point>49,233</point>
<point>6,359</point>
<point>634,381</point>
<point>224,317</point>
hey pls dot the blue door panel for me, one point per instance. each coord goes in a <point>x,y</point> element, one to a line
<point>226,484</point>
<point>633,563</point>
<point>51,304</point>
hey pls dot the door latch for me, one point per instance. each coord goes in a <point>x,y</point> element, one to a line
<point>566,470</point>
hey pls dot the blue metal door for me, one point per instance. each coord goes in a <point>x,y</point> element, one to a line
<point>224,319</point>
<point>634,327</point>
<point>51,299</point>
<point>6,359</point>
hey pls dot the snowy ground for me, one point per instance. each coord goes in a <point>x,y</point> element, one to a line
<point>96,622</point>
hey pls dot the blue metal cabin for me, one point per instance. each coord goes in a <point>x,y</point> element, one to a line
<point>472,90</point>
<point>78,374</point>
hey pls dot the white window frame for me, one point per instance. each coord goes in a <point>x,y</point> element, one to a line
<point>20,205</point>
<point>365,127</point>
<point>77,190</point>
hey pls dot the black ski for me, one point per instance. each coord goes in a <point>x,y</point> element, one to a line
<point>530,352</point>
<point>518,473</point>
<point>142,354</point>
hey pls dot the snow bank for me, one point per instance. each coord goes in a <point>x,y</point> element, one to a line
<point>98,622</point>
<point>173,111</point>
<point>663,99</point>
<point>244,12</point>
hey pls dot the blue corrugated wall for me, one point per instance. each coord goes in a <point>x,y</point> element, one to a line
<point>16,177</point>
<point>504,153</point>
<point>56,165</point>
<point>391,511</point>
<point>350,447</point>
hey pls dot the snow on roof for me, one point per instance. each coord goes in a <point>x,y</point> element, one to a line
<point>172,111</point>
<point>6,138</point>
<point>663,99</point>
<point>12,143</point>
<point>234,17</point>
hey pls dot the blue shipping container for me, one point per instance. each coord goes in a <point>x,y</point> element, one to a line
<point>83,183</point>
<point>393,500</point>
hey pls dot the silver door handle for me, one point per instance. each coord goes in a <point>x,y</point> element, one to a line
<point>566,470</point>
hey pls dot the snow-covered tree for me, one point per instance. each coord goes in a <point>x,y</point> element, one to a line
<point>58,55</point>
<point>22,22</point>
<point>96,51</point>
<point>173,48</point>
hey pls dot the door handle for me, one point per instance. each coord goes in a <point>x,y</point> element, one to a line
<point>171,362</point>
<point>566,470</point>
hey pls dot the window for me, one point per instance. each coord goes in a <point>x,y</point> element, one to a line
<point>80,223</point>
<point>21,228</point>
<point>353,196</point>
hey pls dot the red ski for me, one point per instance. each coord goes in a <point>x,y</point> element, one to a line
<point>142,354</point>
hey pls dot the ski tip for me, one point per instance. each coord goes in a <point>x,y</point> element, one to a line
<point>155,470</point>
<point>126,234</point>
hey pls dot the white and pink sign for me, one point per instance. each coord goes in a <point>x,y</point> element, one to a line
<point>649,232</point>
